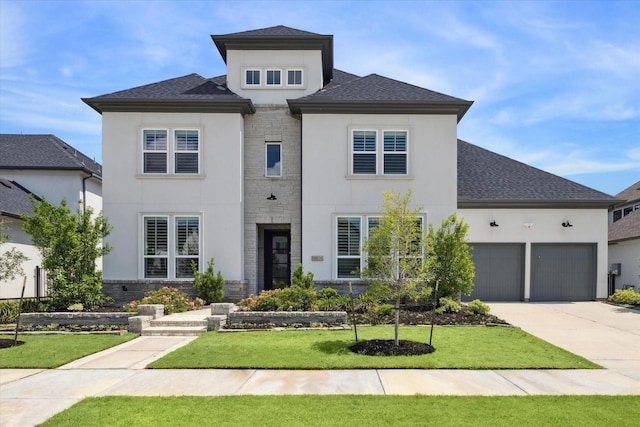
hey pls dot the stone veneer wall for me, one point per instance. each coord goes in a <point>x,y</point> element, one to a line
<point>234,291</point>
<point>270,123</point>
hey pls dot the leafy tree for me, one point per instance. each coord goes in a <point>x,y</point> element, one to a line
<point>398,254</point>
<point>452,269</point>
<point>11,260</point>
<point>70,244</point>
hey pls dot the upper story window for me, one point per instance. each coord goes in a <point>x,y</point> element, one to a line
<point>273,78</point>
<point>273,159</point>
<point>183,152</point>
<point>252,77</point>
<point>294,77</point>
<point>366,146</point>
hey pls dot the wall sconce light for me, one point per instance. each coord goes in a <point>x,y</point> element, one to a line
<point>124,288</point>
<point>528,225</point>
<point>272,197</point>
<point>493,224</point>
<point>567,224</point>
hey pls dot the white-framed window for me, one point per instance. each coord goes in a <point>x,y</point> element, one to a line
<point>364,152</point>
<point>350,236</point>
<point>155,150</point>
<point>171,245</point>
<point>366,146</point>
<point>274,77</point>
<point>178,147</point>
<point>294,77</point>
<point>252,77</point>
<point>273,159</point>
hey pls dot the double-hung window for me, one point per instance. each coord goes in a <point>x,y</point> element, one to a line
<point>179,148</point>
<point>273,159</point>
<point>155,151</point>
<point>171,246</point>
<point>273,77</point>
<point>348,247</point>
<point>366,146</point>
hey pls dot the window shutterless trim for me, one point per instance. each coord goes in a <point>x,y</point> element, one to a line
<point>275,74</point>
<point>266,160</point>
<point>296,72</point>
<point>250,79</point>
<point>181,158</point>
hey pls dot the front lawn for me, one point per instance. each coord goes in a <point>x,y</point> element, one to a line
<point>456,348</point>
<point>352,410</point>
<point>51,351</point>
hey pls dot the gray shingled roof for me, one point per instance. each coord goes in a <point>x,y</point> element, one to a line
<point>378,94</point>
<point>630,194</point>
<point>187,92</point>
<point>278,30</point>
<point>626,228</point>
<point>14,199</point>
<point>487,179</point>
<point>19,151</point>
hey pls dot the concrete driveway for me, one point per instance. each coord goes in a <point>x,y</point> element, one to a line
<point>606,334</point>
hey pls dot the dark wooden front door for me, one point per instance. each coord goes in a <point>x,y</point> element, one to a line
<point>277,259</point>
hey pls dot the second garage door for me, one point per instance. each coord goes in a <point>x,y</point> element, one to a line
<point>499,272</point>
<point>563,272</point>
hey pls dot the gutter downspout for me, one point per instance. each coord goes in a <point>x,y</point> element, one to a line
<point>84,191</point>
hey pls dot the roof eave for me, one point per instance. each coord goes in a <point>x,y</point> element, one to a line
<point>459,108</point>
<point>532,204</point>
<point>54,168</point>
<point>242,106</point>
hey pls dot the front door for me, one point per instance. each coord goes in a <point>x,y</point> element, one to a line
<point>277,259</point>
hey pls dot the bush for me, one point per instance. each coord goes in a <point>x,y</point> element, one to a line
<point>447,305</point>
<point>625,296</point>
<point>301,280</point>
<point>87,292</point>
<point>208,286</point>
<point>477,307</point>
<point>8,312</point>
<point>174,300</point>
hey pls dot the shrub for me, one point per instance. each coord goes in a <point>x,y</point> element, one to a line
<point>301,280</point>
<point>625,296</point>
<point>174,300</point>
<point>477,307</point>
<point>75,307</point>
<point>208,286</point>
<point>8,312</point>
<point>447,305</point>
<point>87,291</point>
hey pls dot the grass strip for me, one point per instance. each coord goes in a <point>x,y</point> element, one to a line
<point>456,348</point>
<point>51,351</point>
<point>311,410</point>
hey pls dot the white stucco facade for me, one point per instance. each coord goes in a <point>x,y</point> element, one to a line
<point>627,254</point>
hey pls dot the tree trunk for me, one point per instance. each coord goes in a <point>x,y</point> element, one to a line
<point>397,326</point>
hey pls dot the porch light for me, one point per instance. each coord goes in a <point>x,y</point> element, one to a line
<point>567,224</point>
<point>272,197</point>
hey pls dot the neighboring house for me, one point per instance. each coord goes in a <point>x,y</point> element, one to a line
<point>46,167</point>
<point>624,240</point>
<point>284,160</point>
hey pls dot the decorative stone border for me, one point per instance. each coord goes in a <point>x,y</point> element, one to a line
<point>305,318</point>
<point>79,318</point>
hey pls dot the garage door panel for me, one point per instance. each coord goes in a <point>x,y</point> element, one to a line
<point>563,272</point>
<point>499,272</point>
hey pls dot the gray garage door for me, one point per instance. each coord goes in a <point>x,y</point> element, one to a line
<point>499,272</point>
<point>563,272</point>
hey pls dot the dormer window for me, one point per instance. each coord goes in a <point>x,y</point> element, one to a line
<point>273,78</point>
<point>252,77</point>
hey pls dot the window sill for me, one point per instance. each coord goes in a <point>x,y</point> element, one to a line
<point>380,177</point>
<point>169,176</point>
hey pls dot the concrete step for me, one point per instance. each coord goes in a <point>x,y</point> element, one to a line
<point>178,322</point>
<point>173,331</point>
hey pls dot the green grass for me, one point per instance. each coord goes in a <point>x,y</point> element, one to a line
<point>51,351</point>
<point>456,348</point>
<point>307,410</point>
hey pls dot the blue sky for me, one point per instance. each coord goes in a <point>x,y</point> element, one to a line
<point>555,84</point>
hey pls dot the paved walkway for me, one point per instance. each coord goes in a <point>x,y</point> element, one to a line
<point>605,334</point>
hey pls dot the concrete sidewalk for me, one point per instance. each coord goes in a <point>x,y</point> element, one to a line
<point>30,396</point>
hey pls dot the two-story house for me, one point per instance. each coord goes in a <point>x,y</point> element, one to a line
<point>43,166</point>
<point>284,160</point>
<point>624,240</point>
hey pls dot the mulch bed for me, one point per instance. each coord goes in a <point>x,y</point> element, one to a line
<point>6,343</point>
<point>389,348</point>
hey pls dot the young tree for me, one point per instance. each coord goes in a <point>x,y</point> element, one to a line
<point>452,267</point>
<point>70,244</point>
<point>398,253</point>
<point>11,260</point>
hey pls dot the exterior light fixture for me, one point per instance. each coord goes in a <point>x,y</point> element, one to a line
<point>493,224</point>
<point>567,224</point>
<point>272,197</point>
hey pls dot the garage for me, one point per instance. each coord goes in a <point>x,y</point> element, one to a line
<point>499,272</point>
<point>563,272</point>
